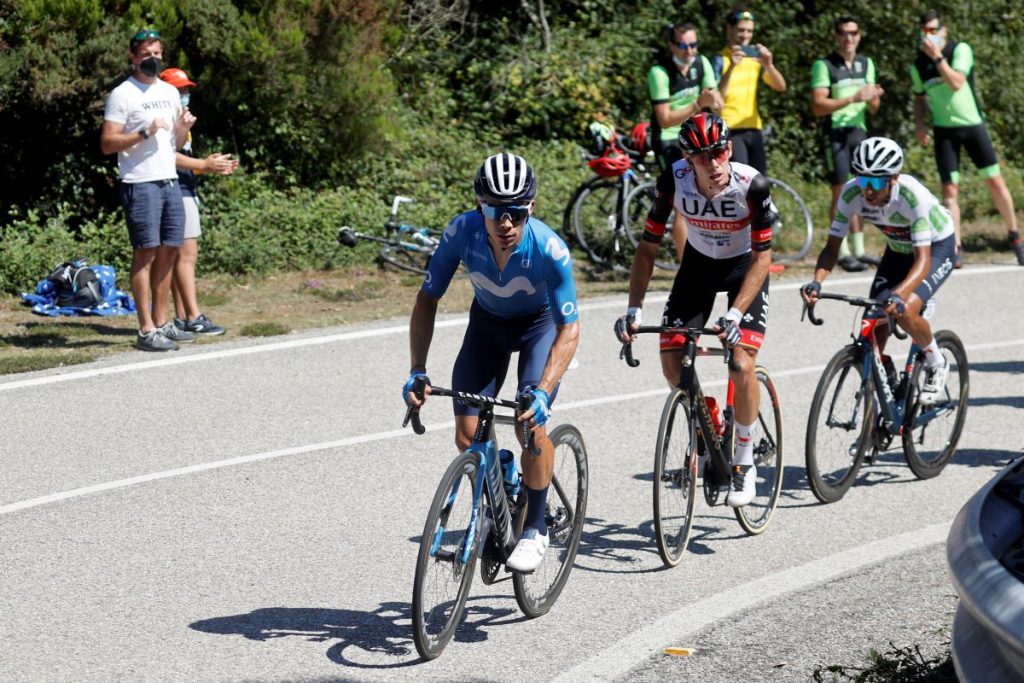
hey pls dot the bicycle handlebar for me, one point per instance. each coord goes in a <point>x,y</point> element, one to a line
<point>862,301</point>
<point>397,202</point>
<point>521,406</point>
<point>689,332</point>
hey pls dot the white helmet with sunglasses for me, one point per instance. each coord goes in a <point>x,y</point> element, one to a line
<point>878,158</point>
<point>505,179</point>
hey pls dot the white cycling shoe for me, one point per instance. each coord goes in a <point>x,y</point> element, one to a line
<point>529,551</point>
<point>934,389</point>
<point>743,485</point>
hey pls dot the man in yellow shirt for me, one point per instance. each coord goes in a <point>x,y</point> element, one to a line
<point>743,65</point>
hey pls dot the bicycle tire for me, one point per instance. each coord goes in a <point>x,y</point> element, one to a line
<point>793,230</point>
<point>434,622</point>
<point>406,259</point>
<point>675,478</point>
<point>832,458</point>
<point>537,591</point>
<point>757,515</point>
<point>634,216</point>
<point>596,221</point>
<point>921,423</point>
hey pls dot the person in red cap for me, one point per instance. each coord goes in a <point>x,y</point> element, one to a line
<point>188,317</point>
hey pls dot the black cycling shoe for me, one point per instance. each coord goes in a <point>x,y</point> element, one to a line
<point>869,259</point>
<point>851,264</point>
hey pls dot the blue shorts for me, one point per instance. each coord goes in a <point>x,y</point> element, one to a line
<point>895,266</point>
<point>155,213</point>
<point>487,349</point>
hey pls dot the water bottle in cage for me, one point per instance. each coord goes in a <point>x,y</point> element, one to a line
<point>716,415</point>
<point>509,473</point>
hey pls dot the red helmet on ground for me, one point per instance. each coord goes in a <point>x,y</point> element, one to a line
<point>176,77</point>
<point>610,166</point>
<point>702,132</point>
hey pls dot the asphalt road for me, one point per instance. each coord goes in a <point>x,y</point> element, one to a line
<point>250,511</point>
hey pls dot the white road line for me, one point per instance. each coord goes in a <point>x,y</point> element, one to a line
<point>617,659</point>
<point>379,436</point>
<point>197,357</point>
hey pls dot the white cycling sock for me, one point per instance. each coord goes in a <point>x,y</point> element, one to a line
<point>744,445</point>
<point>932,356</point>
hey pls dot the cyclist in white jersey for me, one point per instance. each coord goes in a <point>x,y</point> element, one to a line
<point>918,257</point>
<point>729,210</point>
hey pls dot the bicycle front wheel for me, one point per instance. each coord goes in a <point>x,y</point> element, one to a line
<point>447,556</point>
<point>756,515</point>
<point>567,508</point>
<point>410,260</point>
<point>839,426</point>
<point>675,478</point>
<point>932,432</point>
<point>634,216</point>
<point>793,230</point>
<point>598,226</point>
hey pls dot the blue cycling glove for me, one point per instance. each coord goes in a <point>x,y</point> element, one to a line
<point>540,407</point>
<point>409,382</point>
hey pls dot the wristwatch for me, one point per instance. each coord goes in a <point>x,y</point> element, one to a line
<point>145,134</point>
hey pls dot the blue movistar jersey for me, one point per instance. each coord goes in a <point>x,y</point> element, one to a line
<point>538,274</point>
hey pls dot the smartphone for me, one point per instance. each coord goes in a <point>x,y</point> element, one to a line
<point>750,51</point>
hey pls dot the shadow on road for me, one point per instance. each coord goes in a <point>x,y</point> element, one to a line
<point>366,640</point>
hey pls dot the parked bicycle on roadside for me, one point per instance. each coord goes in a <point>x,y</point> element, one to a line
<point>478,514</point>
<point>862,404</point>
<point>406,247</point>
<point>695,440</point>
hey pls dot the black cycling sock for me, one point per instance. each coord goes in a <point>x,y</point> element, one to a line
<point>1014,238</point>
<point>536,509</point>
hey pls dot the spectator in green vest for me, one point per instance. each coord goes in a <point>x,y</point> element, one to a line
<point>844,88</point>
<point>943,80</point>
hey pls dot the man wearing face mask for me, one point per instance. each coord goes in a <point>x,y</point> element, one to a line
<point>183,280</point>
<point>144,124</point>
<point>942,76</point>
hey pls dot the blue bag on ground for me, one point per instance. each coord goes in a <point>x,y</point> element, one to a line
<point>75,288</point>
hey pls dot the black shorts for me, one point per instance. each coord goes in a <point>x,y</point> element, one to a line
<point>839,153</point>
<point>667,152</point>
<point>693,296</point>
<point>895,265</point>
<point>948,142</point>
<point>487,349</point>
<point>748,148</point>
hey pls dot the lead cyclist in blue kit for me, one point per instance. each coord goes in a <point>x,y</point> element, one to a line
<point>525,301</point>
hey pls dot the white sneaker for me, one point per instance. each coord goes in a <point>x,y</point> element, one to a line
<point>743,485</point>
<point>934,389</point>
<point>529,551</point>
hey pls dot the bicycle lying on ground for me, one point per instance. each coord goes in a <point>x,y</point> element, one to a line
<point>472,517</point>
<point>690,429</point>
<point>405,246</point>
<point>861,403</point>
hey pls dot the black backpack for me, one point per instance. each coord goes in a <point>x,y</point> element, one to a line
<point>75,285</point>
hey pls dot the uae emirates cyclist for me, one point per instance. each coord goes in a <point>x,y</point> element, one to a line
<point>918,257</point>
<point>729,210</point>
<point>525,301</point>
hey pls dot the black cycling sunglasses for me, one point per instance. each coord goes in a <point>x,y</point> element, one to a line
<point>516,212</point>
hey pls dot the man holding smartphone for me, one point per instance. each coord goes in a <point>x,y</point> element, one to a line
<point>741,66</point>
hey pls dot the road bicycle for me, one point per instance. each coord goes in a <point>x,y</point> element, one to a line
<point>406,247</point>
<point>861,404</point>
<point>691,434</point>
<point>472,517</point>
<point>792,231</point>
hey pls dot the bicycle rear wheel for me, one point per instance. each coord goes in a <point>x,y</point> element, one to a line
<point>675,478</point>
<point>414,261</point>
<point>756,515</point>
<point>634,216</point>
<point>444,566</point>
<point>567,508</point>
<point>793,230</point>
<point>597,223</point>
<point>932,432</point>
<point>839,426</point>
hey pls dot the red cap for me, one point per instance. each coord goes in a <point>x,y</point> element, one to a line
<point>176,77</point>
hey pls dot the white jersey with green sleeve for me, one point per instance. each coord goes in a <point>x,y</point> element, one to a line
<point>912,218</point>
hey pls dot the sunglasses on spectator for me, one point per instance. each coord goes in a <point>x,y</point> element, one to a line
<point>144,35</point>
<point>683,46</point>
<point>741,16</point>
<point>931,30</point>
<point>517,213</point>
<point>877,184</point>
<point>711,155</point>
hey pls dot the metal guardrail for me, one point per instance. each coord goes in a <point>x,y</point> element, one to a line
<point>985,553</point>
